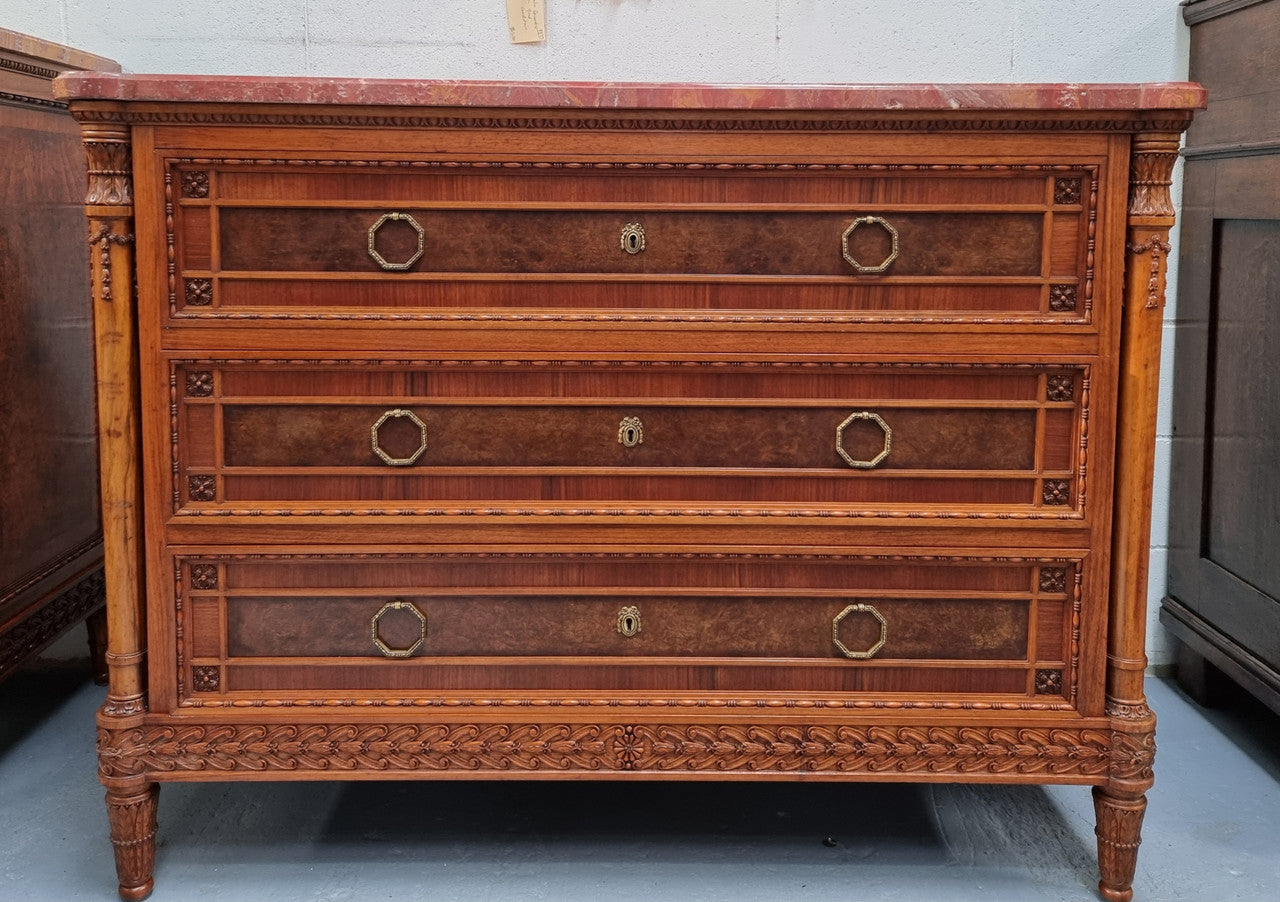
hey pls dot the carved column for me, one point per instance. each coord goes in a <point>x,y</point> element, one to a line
<point>131,799</point>
<point>1121,801</point>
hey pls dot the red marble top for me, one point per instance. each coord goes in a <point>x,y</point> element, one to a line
<point>625,95</point>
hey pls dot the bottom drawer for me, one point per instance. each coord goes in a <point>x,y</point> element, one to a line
<point>308,626</point>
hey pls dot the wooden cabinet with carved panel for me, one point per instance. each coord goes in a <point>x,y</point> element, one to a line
<point>1224,559</point>
<point>507,431</point>
<point>50,536</point>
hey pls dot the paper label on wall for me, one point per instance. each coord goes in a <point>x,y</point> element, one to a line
<point>527,21</point>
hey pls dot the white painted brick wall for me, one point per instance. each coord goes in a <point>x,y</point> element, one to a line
<point>668,40</point>
<point>788,41</point>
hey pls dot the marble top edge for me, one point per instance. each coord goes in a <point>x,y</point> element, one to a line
<point>48,52</point>
<point>628,95</point>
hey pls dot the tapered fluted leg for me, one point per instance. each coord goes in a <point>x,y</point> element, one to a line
<point>133,834</point>
<point>1119,832</point>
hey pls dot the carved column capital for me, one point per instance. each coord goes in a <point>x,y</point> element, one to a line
<point>1150,216</point>
<point>107,148</point>
<point>1151,174</point>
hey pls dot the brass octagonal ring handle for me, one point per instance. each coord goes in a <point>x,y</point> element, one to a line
<point>859,609</point>
<point>386,649</point>
<point>398,413</point>
<point>884,452</point>
<point>373,246</point>
<point>862,267</point>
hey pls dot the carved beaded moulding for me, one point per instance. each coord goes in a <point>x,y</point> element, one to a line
<point>853,122</point>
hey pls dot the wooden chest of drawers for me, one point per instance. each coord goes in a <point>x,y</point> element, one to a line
<point>494,431</point>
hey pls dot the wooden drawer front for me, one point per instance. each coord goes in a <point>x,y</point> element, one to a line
<point>733,242</point>
<point>972,242</point>
<point>545,621</point>
<point>674,623</point>
<point>251,436</point>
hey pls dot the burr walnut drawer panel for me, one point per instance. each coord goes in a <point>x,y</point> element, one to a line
<point>953,240</point>
<point>660,621</point>
<point>353,435</point>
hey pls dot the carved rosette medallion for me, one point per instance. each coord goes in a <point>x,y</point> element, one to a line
<point>1066,191</point>
<point>1053,580</point>
<point>195,183</point>
<point>1062,298</point>
<point>199,292</point>
<point>627,748</point>
<point>1056,491</point>
<point>1060,388</point>
<point>199,384</point>
<point>1048,682</point>
<point>204,576</point>
<point>202,488</point>
<point>206,678</point>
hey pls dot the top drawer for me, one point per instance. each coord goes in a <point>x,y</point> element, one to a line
<point>427,239</point>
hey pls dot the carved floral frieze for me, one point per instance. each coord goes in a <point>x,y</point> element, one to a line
<point>329,749</point>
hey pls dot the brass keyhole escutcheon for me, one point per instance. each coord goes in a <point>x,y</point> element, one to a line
<point>633,238</point>
<point>630,432</point>
<point>629,621</point>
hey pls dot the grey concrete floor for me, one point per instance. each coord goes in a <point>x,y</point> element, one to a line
<point>1210,835</point>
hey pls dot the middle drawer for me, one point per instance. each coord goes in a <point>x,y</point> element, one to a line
<point>367,435</point>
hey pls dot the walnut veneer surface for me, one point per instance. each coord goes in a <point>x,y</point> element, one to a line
<point>627,431</point>
<point>50,534</point>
